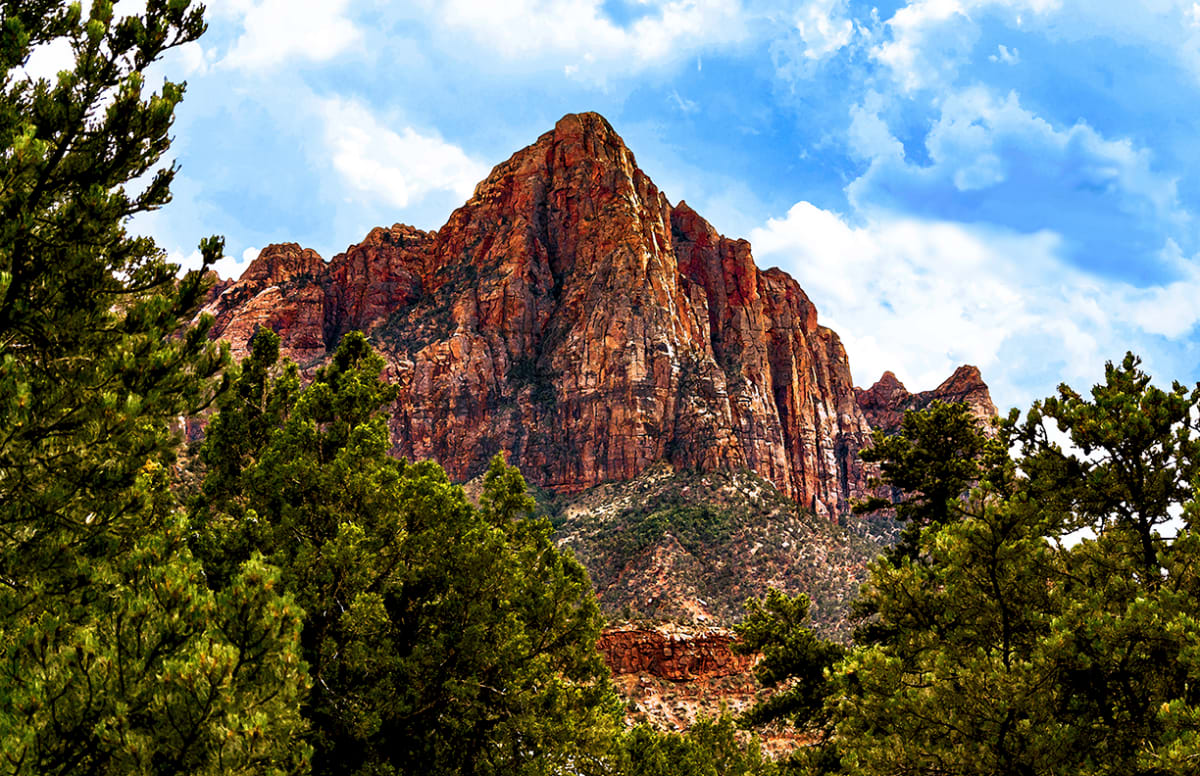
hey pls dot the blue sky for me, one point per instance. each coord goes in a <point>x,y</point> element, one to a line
<point>1010,183</point>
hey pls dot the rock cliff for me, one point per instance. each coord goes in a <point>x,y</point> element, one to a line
<point>675,656</point>
<point>885,402</point>
<point>570,315</point>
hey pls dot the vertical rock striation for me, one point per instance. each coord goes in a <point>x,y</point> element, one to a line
<point>570,315</point>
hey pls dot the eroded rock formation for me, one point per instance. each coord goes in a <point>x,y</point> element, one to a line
<point>678,657</point>
<point>885,402</point>
<point>570,315</point>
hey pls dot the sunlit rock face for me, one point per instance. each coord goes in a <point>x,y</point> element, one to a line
<point>569,315</point>
<point>885,402</point>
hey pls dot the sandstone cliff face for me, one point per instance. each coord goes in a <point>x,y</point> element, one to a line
<point>676,656</point>
<point>569,315</point>
<point>885,402</point>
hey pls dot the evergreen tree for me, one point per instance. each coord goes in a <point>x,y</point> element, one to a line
<point>1123,638</point>
<point>938,455</point>
<point>442,637</point>
<point>793,659</point>
<point>709,748</point>
<point>115,656</point>
<point>1011,645</point>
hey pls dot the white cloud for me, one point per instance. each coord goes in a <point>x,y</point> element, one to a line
<point>869,137</point>
<point>48,60</point>
<point>276,31</point>
<point>193,60</point>
<point>393,166</point>
<point>226,267</point>
<point>931,39</point>
<point>1019,171</point>
<point>824,28</point>
<point>913,61</point>
<point>578,38</point>
<point>920,297</point>
<point>684,104</point>
<point>1005,55</point>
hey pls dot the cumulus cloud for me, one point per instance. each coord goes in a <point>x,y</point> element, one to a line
<point>824,27</point>
<point>275,32</point>
<point>928,41</point>
<point>991,160</point>
<point>396,166</point>
<point>580,39</point>
<point>919,297</point>
<point>923,47</point>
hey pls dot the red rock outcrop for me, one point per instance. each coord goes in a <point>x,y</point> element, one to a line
<point>569,315</point>
<point>885,402</point>
<point>678,657</point>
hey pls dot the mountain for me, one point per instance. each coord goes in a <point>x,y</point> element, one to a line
<point>570,315</point>
<point>885,402</point>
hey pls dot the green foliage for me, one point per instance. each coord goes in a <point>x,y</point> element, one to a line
<point>695,526</point>
<point>710,748</point>
<point>1140,457</point>
<point>938,455</point>
<point>115,656</point>
<point>442,637</point>
<point>778,629</point>
<point>1005,645</point>
<point>960,677</point>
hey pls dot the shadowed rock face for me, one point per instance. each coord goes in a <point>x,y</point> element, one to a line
<point>569,315</point>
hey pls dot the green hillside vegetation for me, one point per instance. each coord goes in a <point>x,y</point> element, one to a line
<point>668,543</point>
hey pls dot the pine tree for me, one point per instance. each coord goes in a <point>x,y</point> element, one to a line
<point>1008,644</point>
<point>115,655</point>
<point>938,455</point>
<point>442,637</point>
<point>794,660</point>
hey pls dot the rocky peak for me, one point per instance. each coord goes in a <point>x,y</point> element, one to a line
<point>281,263</point>
<point>568,315</point>
<point>883,399</point>
<point>965,382</point>
<point>888,383</point>
<point>967,385</point>
<point>885,402</point>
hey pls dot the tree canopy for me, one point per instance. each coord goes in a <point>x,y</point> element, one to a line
<point>115,655</point>
<point>442,636</point>
<point>1044,623</point>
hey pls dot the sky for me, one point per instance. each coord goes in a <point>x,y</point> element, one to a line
<point>1013,184</point>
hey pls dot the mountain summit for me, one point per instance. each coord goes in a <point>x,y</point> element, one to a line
<point>570,315</point>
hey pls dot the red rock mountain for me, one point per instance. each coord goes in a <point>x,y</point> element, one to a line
<point>885,402</point>
<point>569,314</point>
